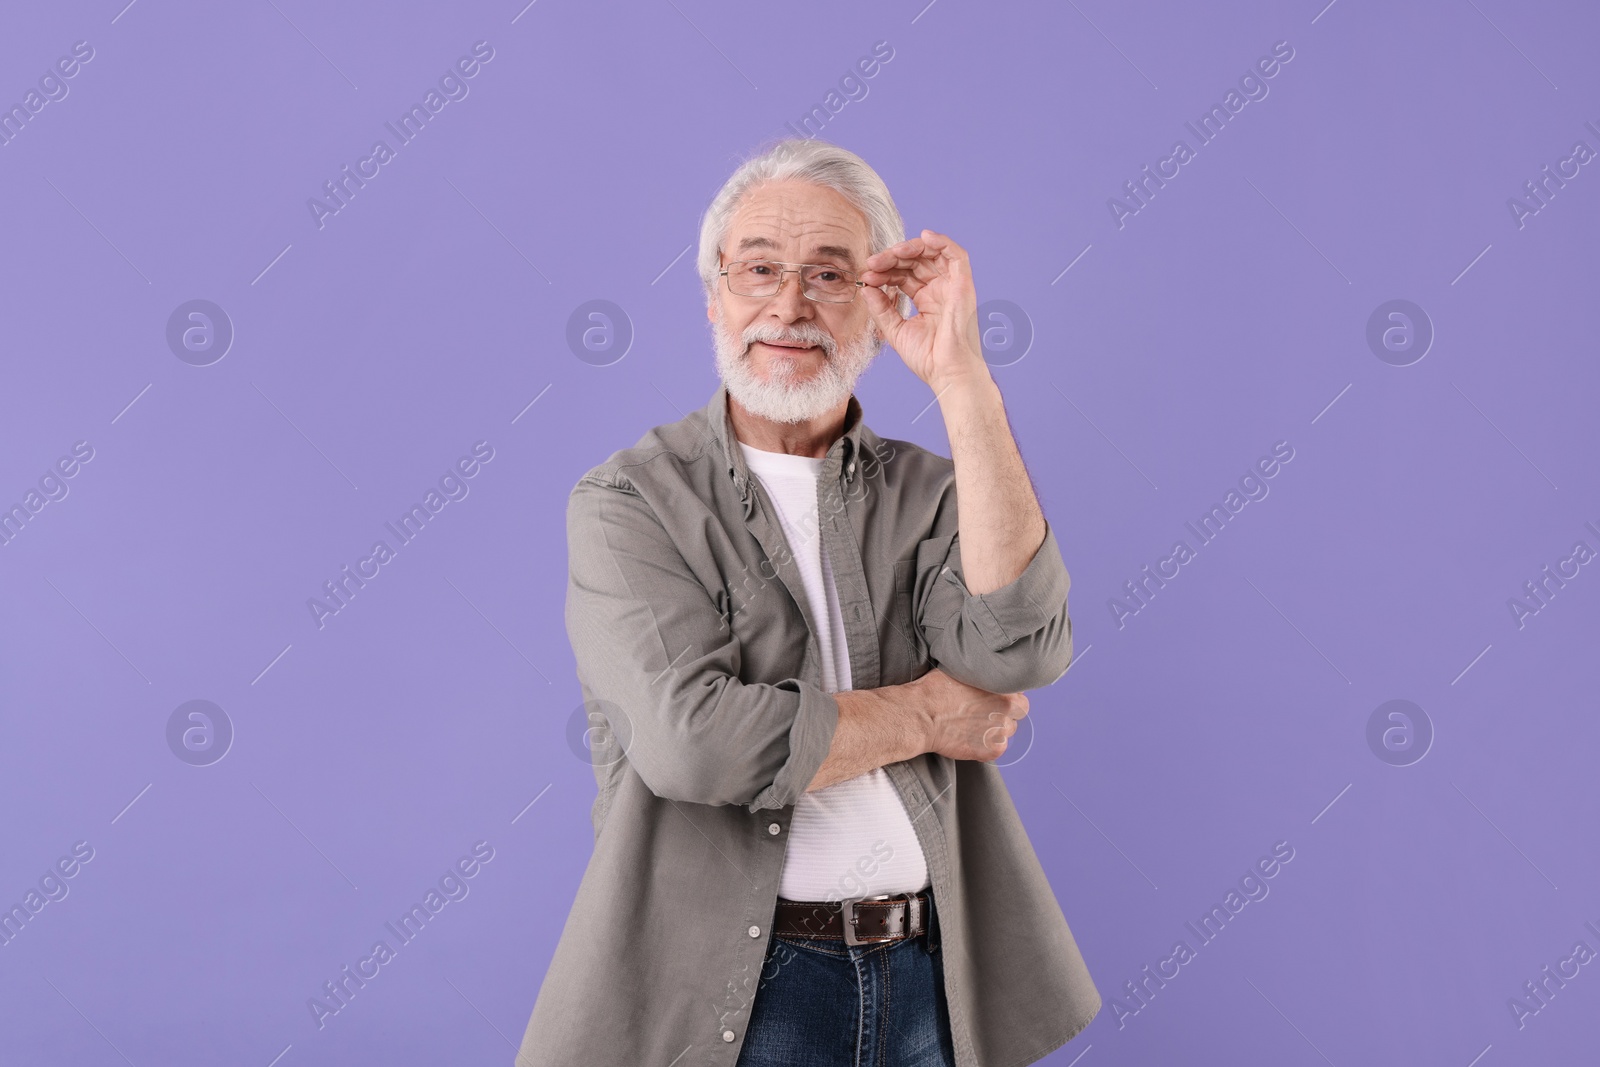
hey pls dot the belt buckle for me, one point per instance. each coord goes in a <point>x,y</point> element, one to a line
<point>847,917</point>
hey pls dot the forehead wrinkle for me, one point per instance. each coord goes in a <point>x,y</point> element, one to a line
<point>769,224</point>
<point>819,251</point>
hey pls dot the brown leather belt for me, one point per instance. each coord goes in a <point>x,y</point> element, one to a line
<point>856,920</point>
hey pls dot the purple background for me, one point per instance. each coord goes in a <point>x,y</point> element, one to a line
<point>1228,314</point>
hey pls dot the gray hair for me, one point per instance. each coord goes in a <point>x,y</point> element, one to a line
<point>808,160</point>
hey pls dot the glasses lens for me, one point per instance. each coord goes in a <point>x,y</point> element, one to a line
<point>753,277</point>
<point>829,283</point>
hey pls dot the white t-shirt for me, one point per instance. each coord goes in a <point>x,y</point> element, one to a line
<point>852,838</point>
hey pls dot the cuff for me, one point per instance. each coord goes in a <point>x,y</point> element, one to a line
<point>810,740</point>
<point>1025,604</point>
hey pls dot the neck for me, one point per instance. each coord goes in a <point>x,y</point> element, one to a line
<point>811,438</point>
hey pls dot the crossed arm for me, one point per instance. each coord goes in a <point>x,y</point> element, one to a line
<point>651,644</point>
<point>1002,531</point>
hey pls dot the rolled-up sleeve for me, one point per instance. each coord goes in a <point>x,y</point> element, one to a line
<point>1010,639</point>
<point>654,649</point>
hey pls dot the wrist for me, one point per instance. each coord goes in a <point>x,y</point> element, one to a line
<point>966,388</point>
<point>910,707</point>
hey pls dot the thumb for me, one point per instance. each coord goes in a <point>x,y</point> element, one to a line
<point>885,311</point>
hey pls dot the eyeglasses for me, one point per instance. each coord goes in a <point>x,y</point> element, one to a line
<point>764,277</point>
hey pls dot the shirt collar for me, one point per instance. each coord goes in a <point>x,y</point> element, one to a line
<point>841,454</point>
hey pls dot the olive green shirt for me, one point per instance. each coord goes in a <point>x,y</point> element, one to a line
<point>694,638</point>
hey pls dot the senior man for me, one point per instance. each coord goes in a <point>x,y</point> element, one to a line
<point>808,645</point>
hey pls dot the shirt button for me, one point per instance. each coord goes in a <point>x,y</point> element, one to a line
<point>774,828</point>
<point>755,931</point>
<point>727,1035</point>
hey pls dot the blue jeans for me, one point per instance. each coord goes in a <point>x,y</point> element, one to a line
<point>823,1003</point>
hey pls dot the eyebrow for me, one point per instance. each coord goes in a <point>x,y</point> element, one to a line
<point>838,252</point>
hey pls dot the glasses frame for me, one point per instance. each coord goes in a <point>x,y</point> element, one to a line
<point>795,268</point>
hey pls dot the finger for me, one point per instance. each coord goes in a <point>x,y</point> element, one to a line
<point>894,271</point>
<point>885,311</point>
<point>911,277</point>
<point>904,253</point>
<point>930,245</point>
<point>921,259</point>
<point>902,256</point>
<point>941,243</point>
<point>904,281</point>
<point>911,246</point>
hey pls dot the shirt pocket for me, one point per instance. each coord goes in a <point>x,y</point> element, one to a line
<point>906,653</point>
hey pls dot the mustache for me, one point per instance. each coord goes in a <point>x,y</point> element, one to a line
<point>805,335</point>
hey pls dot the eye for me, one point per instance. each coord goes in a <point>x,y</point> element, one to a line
<point>754,268</point>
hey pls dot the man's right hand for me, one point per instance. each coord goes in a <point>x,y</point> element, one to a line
<point>963,721</point>
<point>934,713</point>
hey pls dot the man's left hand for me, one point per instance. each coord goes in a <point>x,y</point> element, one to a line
<point>940,343</point>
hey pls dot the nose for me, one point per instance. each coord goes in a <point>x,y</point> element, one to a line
<point>790,303</point>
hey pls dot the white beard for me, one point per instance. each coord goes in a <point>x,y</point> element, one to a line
<point>783,398</point>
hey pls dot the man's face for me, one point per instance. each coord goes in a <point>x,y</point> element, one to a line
<point>785,357</point>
